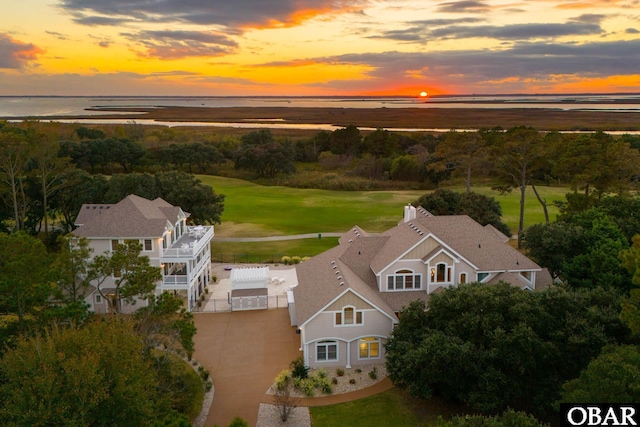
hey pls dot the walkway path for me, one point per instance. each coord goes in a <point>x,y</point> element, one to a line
<point>275,238</point>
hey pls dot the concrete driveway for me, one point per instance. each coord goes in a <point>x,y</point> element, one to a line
<point>243,351</point>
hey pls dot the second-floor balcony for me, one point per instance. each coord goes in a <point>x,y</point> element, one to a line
<point>190,243</point>
<point>179,275</point>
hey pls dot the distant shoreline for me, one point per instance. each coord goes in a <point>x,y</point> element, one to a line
<point>447,118</point>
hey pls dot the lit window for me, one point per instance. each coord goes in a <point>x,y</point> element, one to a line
<point>326,351</point>
<point>441,273</point>
<point>369,348</point>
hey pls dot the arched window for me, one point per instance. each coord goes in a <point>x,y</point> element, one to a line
<point>349,316</point>
<point>463,278</point>
<point>441,273</point>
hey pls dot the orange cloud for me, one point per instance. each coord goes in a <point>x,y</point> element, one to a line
<point>589,4</point>
<point>298,17</point>
<point>16,54</point>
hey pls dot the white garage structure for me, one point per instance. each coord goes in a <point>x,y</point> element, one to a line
<point>249,289</point>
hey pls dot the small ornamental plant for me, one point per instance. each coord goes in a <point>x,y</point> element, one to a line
<point>373,374</point>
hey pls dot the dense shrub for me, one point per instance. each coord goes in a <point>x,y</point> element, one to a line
<point>299,369</point>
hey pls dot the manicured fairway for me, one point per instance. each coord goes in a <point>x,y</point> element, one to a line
<point>253,210</point>
<point>262,252</point>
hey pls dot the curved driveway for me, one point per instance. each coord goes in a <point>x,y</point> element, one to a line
<point>243,351</point>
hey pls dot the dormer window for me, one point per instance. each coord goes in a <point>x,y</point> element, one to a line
<point>526,275</point>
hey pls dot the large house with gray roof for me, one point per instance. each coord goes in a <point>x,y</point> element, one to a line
<point>348,298</point>
<point>181,251</point>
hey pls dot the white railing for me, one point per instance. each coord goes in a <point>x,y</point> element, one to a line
<point>202,236</point>
<point>176,281</point>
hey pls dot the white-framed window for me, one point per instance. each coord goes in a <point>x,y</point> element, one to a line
<point>482,276</point>
<point>147,245</point>
<point>404,280</point>
<point>98,299</point>
<point>326,351</point>
<point>369,348</point>
<point>349,316</point>
<point>526,275</point>
<point>114,245</point>
<point>441,273</point>
<point>463,278</point>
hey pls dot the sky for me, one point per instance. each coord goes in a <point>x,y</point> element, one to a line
<point>318,47</point>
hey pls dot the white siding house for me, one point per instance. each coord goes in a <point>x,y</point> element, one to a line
<point>181,251</point>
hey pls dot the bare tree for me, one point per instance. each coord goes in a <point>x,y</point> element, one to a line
<point>284,401</point>
<point>50,170</point>
<point>14,155</point>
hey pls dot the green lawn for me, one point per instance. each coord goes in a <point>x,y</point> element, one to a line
<point>262,252</point>
<point>257,210</point>
<point>392,408</point>
<point>253,210</point>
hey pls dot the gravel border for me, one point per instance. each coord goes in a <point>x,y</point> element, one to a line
<point>361,379</point>
<point>268,416</point>
<point>200,420</point>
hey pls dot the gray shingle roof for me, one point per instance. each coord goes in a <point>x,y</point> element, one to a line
<point>132,217</point>
<point>479,245</point>
<point>320,283</point>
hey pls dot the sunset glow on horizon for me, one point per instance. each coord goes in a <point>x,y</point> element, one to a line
<point>318,47</point>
